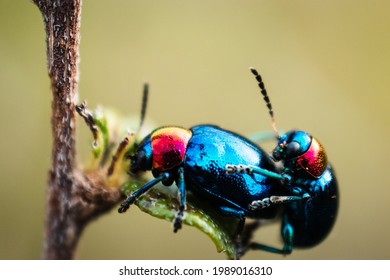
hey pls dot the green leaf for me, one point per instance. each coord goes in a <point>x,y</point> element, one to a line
<point>162,202</point>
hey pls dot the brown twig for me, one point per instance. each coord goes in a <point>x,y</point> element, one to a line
<point>73,197</point>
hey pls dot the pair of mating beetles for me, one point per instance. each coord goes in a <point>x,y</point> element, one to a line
<point>240,180</point>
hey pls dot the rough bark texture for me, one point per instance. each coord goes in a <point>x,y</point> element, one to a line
<point>73,197</point>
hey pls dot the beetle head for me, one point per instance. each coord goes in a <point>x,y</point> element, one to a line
<point>291,145</point>
<point>141,160</point>
<point>301,152</point>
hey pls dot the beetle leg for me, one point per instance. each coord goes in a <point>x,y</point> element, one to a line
<point>250,169</point>
<point>235,213</point>
<point>133,196</point>
<point>287,236</point>
<point>272,200</point>
<point>285,251</point>
<point>240,215</point>
<point>284,177</point>
<point>178,221</point>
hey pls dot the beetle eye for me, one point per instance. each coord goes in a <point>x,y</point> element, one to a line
<point>292,149</point>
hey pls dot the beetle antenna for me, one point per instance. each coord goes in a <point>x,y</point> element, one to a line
<point>144,106</point>
<point>266,99</point>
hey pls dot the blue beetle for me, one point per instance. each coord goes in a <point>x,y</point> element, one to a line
<point>311,210</point>
<point>241,180</point>
<point>307,175</point>
<point>196,159</point>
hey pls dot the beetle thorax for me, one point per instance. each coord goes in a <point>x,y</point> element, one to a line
<point>169,145</point>
<point>314,161</point>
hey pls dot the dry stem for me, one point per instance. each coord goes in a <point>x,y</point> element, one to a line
<point>73,197</point>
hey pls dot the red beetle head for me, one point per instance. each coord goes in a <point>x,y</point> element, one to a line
<point>300,151</point>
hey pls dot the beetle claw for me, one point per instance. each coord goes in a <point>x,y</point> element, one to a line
<point>126,204</point>
<point>260,204</point>
<point>123,208</point>
<point>178,221</point>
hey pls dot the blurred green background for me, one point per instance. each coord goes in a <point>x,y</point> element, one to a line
<point>326,68</point>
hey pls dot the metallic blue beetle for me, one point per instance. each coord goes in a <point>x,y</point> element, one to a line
<point>196,159</point>
<point>241,180</point>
